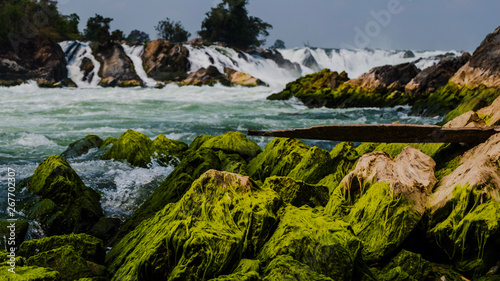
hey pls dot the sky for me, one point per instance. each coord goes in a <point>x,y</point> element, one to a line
<point>384,24</point>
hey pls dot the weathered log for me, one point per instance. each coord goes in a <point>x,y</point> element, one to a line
<point>389,133</point>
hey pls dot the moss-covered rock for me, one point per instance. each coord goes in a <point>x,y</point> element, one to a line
<point>77,206</point>
<point>20,228</point>
<point>82,146</point>
<point>89,247</point>
<point>247,270</point>
<point>222,218</point>
<point>284,267</point>
<point>234,143</point>
<point>31,273</point>
<point>298,193</point>
<point>343,156</point>
<point>138,150</point>
<point>325,246</point>
<point>65,260</point>
<point>292,158</point>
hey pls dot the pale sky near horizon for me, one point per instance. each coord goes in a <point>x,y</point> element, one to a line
<point>386,24</point>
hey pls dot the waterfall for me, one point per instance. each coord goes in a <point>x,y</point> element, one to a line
<point>135,54</point>
<point>76,52</point>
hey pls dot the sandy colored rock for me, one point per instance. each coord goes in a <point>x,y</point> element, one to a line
<point>491,114</point>
<point>386,78</point>
<point>468,119</point>
<point>243,79</point>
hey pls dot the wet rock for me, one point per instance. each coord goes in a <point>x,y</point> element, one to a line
<point>221,218</point>
<point>310,61</point>
<point>87,67</point>
<point>434,77</point>
<point>106,228</point>
<point>20,230</point>
<point>234,143</point>
<point>292,158</point>
<point>483,68</point>
<point>82,146</point>
<point>387,78</point>
<point>277,57</point>
<point>298,193</point>
<point>384,199</point>
<point>242,79</point>
<point>77,206</point>
<point>464,209</point>
<point>38,59</point>
<point>206,76</point>
<point>165,61</point>
<point>322,245</point>
<point>86,246</point>
<point>116,67</point>
<point>408,54</point>
<point>65,260</point>
<point>138,150</point>
<point>313,90</point>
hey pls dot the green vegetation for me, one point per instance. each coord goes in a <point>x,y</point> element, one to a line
<point>98,29</point>
<point>172,31</point>
<point>278,44</point>
<point>22,20</point>
<point>137,36</point>
<point>229,23</point>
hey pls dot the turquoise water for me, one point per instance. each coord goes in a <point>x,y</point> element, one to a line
<point>37,123</point>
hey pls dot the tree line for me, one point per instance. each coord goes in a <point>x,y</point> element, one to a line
<point>228,23</point>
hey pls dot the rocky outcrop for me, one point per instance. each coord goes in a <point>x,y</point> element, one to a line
<point>310,61</point>
<point>211,75</point>
<point>116,67</point>
<point>483,68</point>
<point>222,218</point>
<point>468,119</point>
<point>165,61</point>
<point>67,205</point>
<point>491,114</point>
<point>38,59</point>
<point>387,78</point>
<point>242,79</point>
<point>278,58</point>
<point>434,77</point>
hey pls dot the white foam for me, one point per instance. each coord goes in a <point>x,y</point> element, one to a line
<point>34,140</point>
<point>135,54</point>
<point>81,50</point>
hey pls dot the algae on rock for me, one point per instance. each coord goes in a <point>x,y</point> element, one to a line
<point>234,143</point>
<point>325,246</point>
<point>298,193</point>
<point>77,206</point>
<point>222,218</point>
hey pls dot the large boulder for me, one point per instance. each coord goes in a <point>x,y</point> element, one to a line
<point>234,143</point>
<point>82,146</point>
<point>222,218</point>
<point>166,61</point>
<point>117,69</point>
<point>75,207</point>
<point>436,76</point>
<point>292,158</point>
<point>326,246</point>
<point>242,79</point>
<point>206,76</point>
<point>386,78</point>
<point>139,150</point>
<point>483,68</point>
<point>38,59</point>
<point>464,209</point>
<point>384,199</point>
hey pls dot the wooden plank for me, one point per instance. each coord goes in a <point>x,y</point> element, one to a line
<point>390,133</point>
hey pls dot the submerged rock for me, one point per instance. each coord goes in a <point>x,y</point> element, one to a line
<point>384,199</point>
<point>117,68</point>
<point>75,207</point>
<point>138,150</point>
<point>82,146</point>
<point>222,218</point>
<point>321,245</point>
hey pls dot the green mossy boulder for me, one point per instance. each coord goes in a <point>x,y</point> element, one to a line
<point>234,143</point>
<point>20,230</point>
<point>247,270</point>
<point>326,246</point>
<point>138,150</point>
<point>284,267</point>
<point>344,156</point>
<point>198,142</point>
<point>65,260</point>
<point>89,247</point>
<point>292,158</point>
<point>77,206</point>
<point>29,273</point>
<point>222,218</point>
<point>298,193</point>
<point>82,146</point>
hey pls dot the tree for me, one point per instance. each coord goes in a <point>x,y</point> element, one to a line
<point>139,36</point>
<point>229,23</point>
<point>117,35</point>
<point>278,44</point>
<point>98,29</point>
<point>172,31</point>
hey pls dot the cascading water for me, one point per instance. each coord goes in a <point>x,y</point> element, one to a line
<point>135,54</point>
<point>76,52</point>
